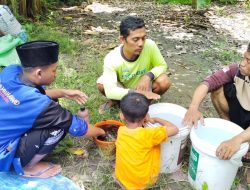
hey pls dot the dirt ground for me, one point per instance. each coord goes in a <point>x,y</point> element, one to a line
<point>189,43</point>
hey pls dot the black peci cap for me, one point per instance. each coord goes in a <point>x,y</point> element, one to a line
<point>38,53</point>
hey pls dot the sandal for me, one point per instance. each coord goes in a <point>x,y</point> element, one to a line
<point>45,173</point>
<point>246,158</point>
<point>107,105</point>
<point>248,176</point>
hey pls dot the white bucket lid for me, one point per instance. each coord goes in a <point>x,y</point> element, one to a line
<point>155,110</point>
<point>225,131</point>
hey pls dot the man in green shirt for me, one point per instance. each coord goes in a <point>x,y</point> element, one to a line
<point>135,66</point>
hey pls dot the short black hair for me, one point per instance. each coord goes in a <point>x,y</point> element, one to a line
<point>248,48</point>
<point>130,23</point>
<point>134,106</point>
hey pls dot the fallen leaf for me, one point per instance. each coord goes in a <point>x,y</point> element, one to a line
<point>76,151</point>
<point>67,18</point>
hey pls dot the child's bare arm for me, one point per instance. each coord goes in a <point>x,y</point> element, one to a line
<point>171,128</point>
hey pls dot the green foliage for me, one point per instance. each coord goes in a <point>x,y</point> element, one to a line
<point>223,52</point>
<point>187,20</point>
<point>48,31</point>
<point>66,143</point>
<point>195,3</point>
<point>205,186</point>
<point>201,4</point>
<point>66,2</point>
<point>102,177</point>
<point>247,5</point>
<point>236,182</point>
<point>14,6</point>
<point>226,2</point>
<point>189,2</point>
<point>36,9</point>
<point>182,2</point>
<point>165,182</point>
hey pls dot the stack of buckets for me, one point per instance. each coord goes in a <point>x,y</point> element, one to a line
<point>206,171</point>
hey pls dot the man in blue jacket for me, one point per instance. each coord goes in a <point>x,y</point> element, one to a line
<point>31,122</point>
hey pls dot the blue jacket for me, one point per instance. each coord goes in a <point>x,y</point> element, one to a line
<point>24,107</point>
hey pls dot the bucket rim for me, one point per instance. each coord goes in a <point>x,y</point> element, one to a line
<point>166,103</point>
<point>181,111</point>
<point>106,122</point>
<point>181,133</point>
<point>211,149</point>
<point>152,106</point>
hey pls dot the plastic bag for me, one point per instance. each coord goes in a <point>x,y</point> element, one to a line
<point>10,25</point>
<point>10,181</point>
<point>8,54</point>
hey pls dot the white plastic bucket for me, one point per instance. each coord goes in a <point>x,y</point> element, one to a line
<point>172,150</point>
<point>206,171</point>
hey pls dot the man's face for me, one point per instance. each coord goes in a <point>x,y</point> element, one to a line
<point>245,64</point>
<point>48,74</point>
<point>134,43</point>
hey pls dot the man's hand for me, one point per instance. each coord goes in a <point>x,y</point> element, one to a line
<point>144,84</point>
<point>192,117</point>
<point>152,120</point>
<point>227,149</point>
<point>76,95</point>
<point>150,95</point>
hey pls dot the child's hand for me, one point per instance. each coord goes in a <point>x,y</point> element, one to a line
<point>152,120</point>
<point>149,119</point>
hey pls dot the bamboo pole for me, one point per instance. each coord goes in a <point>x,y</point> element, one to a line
<point>27,8</point>
<point>36,7</point>
<point>4,2</point>
<point>22,8</point>
<point>30,8</point>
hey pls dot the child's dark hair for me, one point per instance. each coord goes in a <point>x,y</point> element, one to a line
<point>248,48</point>
<point>134,106</point>
<point>130,23</point>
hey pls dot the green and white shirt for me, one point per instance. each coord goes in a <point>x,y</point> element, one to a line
<point>117,69</point>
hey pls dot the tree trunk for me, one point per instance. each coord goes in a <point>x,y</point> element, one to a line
<point>22,8</point>
<point>30,8</point>
<point>27,8</point>
<point>3,2</point>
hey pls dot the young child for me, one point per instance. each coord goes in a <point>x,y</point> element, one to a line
<point>138,148</point>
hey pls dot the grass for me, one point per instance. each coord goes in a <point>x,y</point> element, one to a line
<point>189,2</point>
<point>182,2</point>
<point>223,52</point>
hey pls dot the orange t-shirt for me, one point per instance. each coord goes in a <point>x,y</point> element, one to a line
<point>138,156</point>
